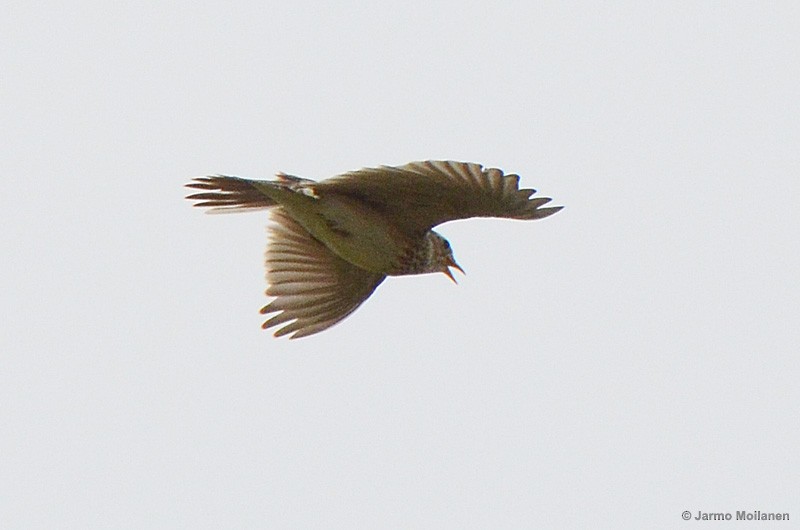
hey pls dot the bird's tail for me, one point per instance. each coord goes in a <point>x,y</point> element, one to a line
<point>228,194</point>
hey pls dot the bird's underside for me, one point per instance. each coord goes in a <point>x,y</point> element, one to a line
<point>333,242</point>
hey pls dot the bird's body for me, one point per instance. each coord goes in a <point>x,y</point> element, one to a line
<point>351,229</point>
<point>333,242</point>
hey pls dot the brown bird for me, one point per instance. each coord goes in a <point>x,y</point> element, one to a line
<point>333,242</point>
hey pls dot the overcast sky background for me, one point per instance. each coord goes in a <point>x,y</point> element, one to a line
<point>632,357</point>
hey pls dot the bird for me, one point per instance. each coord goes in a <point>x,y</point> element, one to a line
<point>333,242</point>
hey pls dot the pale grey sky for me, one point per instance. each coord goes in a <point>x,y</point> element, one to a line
<point>632,357</point>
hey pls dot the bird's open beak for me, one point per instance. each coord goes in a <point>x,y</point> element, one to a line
<point>446,269</point>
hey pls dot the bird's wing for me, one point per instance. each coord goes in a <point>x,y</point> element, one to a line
<point>421,195</point>
<point>312,286</point>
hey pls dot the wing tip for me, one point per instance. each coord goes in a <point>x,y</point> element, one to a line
<point>547,212</point>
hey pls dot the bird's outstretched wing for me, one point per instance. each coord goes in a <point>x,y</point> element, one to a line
<point>312,286</point>
<point>421,195</point>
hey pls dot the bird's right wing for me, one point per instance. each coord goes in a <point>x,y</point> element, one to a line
<point>312,286</point>
<point>421,195</point>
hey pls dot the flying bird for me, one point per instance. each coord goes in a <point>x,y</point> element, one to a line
<point>333,242</point>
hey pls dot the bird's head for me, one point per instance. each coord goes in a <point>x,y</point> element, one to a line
<point>441,258</point>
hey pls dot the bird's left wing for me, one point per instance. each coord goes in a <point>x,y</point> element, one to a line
<point>312,286</point>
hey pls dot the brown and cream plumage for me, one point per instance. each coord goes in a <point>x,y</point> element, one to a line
<point>333,242</point>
